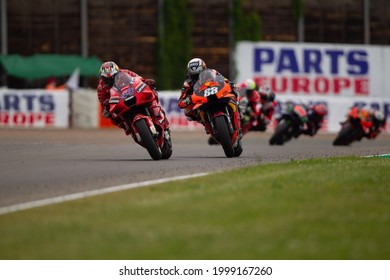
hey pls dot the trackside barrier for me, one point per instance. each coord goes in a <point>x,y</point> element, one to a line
<point>338,75</point>
<point>41,108</point>
<point>34,108</point>
<point>338,108</point>
<point>334,70</point>
<point>85,109</point>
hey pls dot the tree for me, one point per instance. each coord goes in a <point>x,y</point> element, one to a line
<point>174,43</point>
<point>245,28</point>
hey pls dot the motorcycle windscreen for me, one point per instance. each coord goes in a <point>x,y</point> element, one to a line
<point>124,85</point>
<point>208,85</point>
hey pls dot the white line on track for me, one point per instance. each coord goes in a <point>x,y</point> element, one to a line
<point>59,199</point>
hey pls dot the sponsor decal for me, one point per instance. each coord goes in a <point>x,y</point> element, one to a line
<point>127,93</point>
<point>209,84</point>
<point>194,65</point>
<point>129,97</point>
<point>114,100</point>
<point>141,87</point>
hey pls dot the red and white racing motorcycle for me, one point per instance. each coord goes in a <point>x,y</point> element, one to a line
<point>133,102</point>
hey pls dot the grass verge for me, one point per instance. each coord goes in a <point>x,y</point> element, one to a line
<point>332,208</point>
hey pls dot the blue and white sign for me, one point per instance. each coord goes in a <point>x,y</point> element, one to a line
<point>34,108</point>
<point>338,75</point>
<point>316,69</point>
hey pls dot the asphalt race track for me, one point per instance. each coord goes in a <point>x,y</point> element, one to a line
<point>42,163</point>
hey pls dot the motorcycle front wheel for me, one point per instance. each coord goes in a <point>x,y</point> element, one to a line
<point>148,140</point>
<point>167,147</point>
<point>238,150</point>
<point>345,136</point>
<point>280,133</point>
<point>224,136</point>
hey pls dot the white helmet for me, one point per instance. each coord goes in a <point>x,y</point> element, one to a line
<point>194,67</point>
<point>266,89</point>
<point>379,116</point>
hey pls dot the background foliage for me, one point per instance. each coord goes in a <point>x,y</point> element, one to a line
<point>174,44</point>
<point>246,27</point>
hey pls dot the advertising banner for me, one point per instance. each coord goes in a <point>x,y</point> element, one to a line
<point>338,108</point>
<point>34,108</point>
<point>315,69</point>
<point>338,75</point>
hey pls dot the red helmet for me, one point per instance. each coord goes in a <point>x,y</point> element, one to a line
<point>321,110</point>
<point>108,69</point>
<point>107,72</point>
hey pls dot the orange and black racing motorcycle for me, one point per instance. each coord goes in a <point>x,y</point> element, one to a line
<point>358,124</point>
<point>216,105</point>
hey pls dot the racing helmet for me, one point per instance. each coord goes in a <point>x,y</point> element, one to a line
<point>266,89</point>
<point>194,67</point>
<point>379,117</point>
<point>247,88</point>
<point>107,72</point>
<point>267,93</point>
<point>249,84</point>
<point>320,109</point>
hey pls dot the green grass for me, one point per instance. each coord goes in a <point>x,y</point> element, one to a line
<point>313,209</point>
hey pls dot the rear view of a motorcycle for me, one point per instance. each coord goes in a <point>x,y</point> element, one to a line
<point>134,103</point>
<point>292,118</point>
<point>352,129</point>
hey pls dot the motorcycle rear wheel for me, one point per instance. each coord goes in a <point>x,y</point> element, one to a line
<point>148,140</point>
<point>224,135</point>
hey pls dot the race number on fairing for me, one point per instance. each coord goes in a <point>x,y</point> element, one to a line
<point>210,91</point>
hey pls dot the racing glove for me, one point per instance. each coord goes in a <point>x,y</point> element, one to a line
<point>151,83</point>
<point>106,110</point>
<point>185,102</point>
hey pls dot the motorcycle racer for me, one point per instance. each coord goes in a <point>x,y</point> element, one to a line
<point>107,73</point>
<point>268,103</point>
<point>376,121</point>
<point>315,118</point>
<point>194,67</point>
<point>360,122</point>
<point>257,104</point>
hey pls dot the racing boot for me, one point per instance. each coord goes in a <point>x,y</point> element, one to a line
<point>263,123</point>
